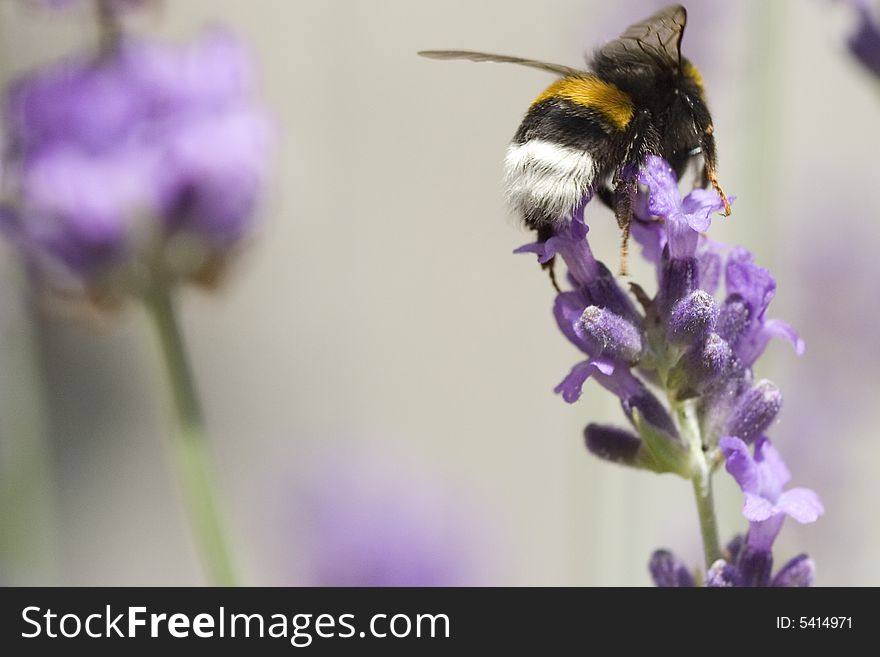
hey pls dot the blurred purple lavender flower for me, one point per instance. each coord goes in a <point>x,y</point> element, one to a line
<point>864,42</point>
<point>145,156</point>
<point>378,518</point>
<point>696,350</point>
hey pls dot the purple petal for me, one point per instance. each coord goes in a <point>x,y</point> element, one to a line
<point>604,366</point>
<point>541,249</point>
<point>740,463</point>
<point>802,504</point>
<point>770,463</point>
<point>699,222</point>
<point>751,282</point>
<point>681,238</point>
<point>572,385</point>
<point>757,336</point>
<point>779,329</point>
<point>762,533</point>
<point>703,201</point>
<point>698,207</point>
<point>567,310</point>
<point>757,509</point>
<point>708,271</point>
<point>658,176</point>
<point>570,243</point>
<point>652,236</point>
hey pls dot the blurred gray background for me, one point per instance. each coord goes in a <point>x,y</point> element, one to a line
<point>380,309</point>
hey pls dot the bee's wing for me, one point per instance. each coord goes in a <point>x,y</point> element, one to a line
<point>565,71</point>
<point>658,37</point>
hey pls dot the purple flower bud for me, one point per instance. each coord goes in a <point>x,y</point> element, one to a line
<point>667,570</point>
<point>612,444</point>
<point>704,363</point>
<point>734,546</point>
<point>692,317</point>
<point>733,318</point>
<point>604,292</point>
<point>678,279</point>
<point>650,409</point>
<point>754,567</point>
<point>610,335</point>
<point>723,575</point>
<point>798,572</point>
<point>755,411</point>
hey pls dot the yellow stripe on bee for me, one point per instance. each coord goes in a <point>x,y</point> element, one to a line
<point>691,71</point>
<point>590,91</point>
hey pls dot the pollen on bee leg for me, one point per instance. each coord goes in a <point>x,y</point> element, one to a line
<point>713,179</point>
<point>624,251</point>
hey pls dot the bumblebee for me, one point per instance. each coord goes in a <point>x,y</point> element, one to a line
<point>589,132</point>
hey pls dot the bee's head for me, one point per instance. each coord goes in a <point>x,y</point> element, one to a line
<point>689,129</point>
<point>690,89</point>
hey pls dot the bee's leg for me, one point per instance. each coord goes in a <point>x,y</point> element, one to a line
<point>707,144</point>
<point>643,140</point>
<point>545,232</point>
<point>625,188</point>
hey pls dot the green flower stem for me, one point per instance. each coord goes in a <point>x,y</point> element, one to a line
<point>701,478</point>
<point>706,512</point>
<point>189,446</point>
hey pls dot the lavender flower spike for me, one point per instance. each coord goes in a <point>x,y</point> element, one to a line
<point>148,156</point>
<point>761,478</point>
<point>697,354</point>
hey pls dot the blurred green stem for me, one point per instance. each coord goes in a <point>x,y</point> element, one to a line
<point>189,447</point>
